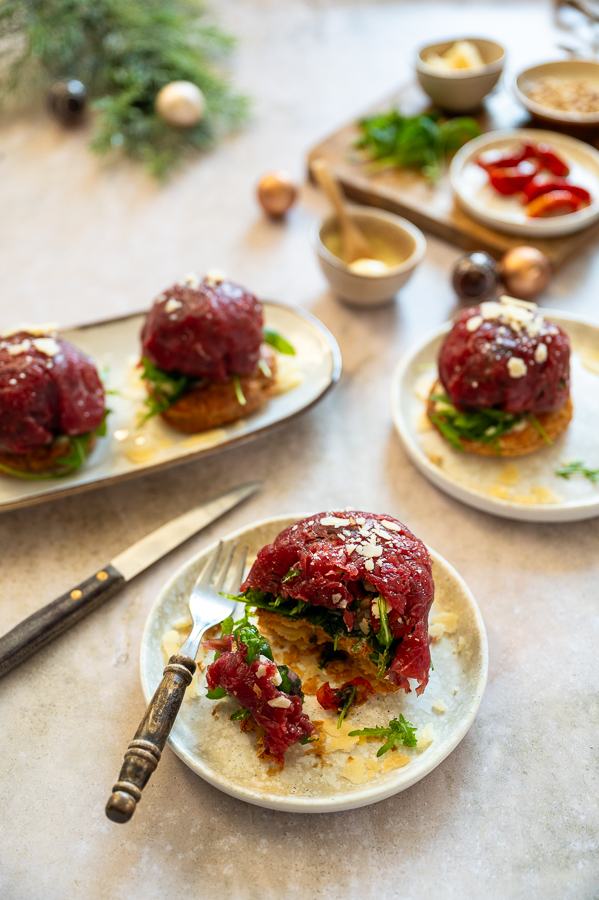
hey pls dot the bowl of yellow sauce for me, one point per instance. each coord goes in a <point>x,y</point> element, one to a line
<point>397,247</point>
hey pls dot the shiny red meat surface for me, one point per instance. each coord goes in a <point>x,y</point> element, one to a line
<point>506,356</point>
<point>279,714</point>
<point>47,388</point>
<point>335,558</point>
<point>206,331</point>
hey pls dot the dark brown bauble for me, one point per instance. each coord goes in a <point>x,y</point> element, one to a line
<point>525,272</point>
<point>276,193</point>
<point>67,101</point>
<point>475,276</point>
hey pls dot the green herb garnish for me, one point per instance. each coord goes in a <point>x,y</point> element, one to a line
<point>398,732</point>
<point>415,142</point>
<point>484,425</point>
<point>278,342</point>
<point>331,622</point>
<point>291,574</point>
<point>536,424</point>
<point>578,468</point>
<point>240,714</point>
<point>346,706</point>
<point>165,388</point>
<point>78,451</point>
<point>216,694</point>
<point>238,391</point>
<point>385,637</point>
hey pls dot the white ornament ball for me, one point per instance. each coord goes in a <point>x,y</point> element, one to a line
<point>180,103</point>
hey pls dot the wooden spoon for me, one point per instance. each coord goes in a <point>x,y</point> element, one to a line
<point>355,243</point>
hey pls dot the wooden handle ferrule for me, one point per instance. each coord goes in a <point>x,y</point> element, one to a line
<point>144,752</point>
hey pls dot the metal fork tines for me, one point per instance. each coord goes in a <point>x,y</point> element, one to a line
<point>206,604</point>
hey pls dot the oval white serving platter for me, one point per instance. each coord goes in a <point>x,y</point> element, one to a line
<point>524,487</point>
<point>128,450</point>
<point>219,752</point>
<point>472,188</point>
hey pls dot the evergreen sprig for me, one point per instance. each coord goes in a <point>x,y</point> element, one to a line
<point>124,51</point>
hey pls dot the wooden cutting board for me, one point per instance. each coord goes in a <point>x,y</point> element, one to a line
<point>434,208</point>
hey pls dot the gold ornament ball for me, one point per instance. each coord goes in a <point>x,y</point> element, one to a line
<point>180,103</point>
<point>525,272</point>
<point>276,193</point>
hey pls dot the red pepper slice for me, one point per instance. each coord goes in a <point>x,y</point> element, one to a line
<point>495,159</point>
<point>336,699</point>
<point>513,179</point>
<point>555,203</point>
<point>542,184</point>
<point>551,160</point>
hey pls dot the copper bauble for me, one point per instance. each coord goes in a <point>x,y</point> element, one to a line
<point>276,193</point>
<point>475,277</point>
<point>525,272</point>
<point>180,103</point>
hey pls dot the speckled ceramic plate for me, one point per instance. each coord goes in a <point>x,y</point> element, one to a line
<point>471,183</point>
<point>523,487</point>
<point>128,450</point>
<point>350,777</point>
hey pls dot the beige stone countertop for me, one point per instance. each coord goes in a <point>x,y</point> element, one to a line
<point>512,813</point>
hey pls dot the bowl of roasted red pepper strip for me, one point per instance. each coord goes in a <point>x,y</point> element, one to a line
<point>528,182</point>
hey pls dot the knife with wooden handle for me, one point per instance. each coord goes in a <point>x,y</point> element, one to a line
<point>50,621</point>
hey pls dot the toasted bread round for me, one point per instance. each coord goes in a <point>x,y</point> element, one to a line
<point>215,403</point>
<point>43,460</point>
<point>516,443</point>
<point>301,634</point>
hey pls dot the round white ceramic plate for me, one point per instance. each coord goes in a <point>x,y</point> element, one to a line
<point>472,188</point>
<point>216,749</point>
<point>524,487</point>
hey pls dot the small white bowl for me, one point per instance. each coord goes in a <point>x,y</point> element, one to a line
<point>460,90</point>
<point>561,70</point>
<point>405,242</point>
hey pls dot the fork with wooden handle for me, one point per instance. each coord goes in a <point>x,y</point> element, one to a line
<point>207,608</point>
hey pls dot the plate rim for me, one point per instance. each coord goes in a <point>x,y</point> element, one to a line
<point>60,490</point>
<point>508,509</point>
<point>366,795</point>
<point>558,226</point>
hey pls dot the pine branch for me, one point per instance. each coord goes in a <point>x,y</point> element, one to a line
<point>124,51</point>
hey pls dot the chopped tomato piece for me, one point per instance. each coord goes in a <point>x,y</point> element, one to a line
<point>555,203</point>
<point>336,699</point>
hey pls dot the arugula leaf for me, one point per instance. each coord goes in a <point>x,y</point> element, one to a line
<point>217,693</point>
<point>535,422</point>
<point>415,142</point>
<point>385,637</point>
<point>399,731</point>
<point>578,468</point>
<point>277,341</point>
<point>484,425</point>
<point>78,451</point>
<point>240,714</point>
<point>165,388</point>
<point>346,706</point>
<point>291,574</point>
<point>330,620</point>
<point>238,390</point>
